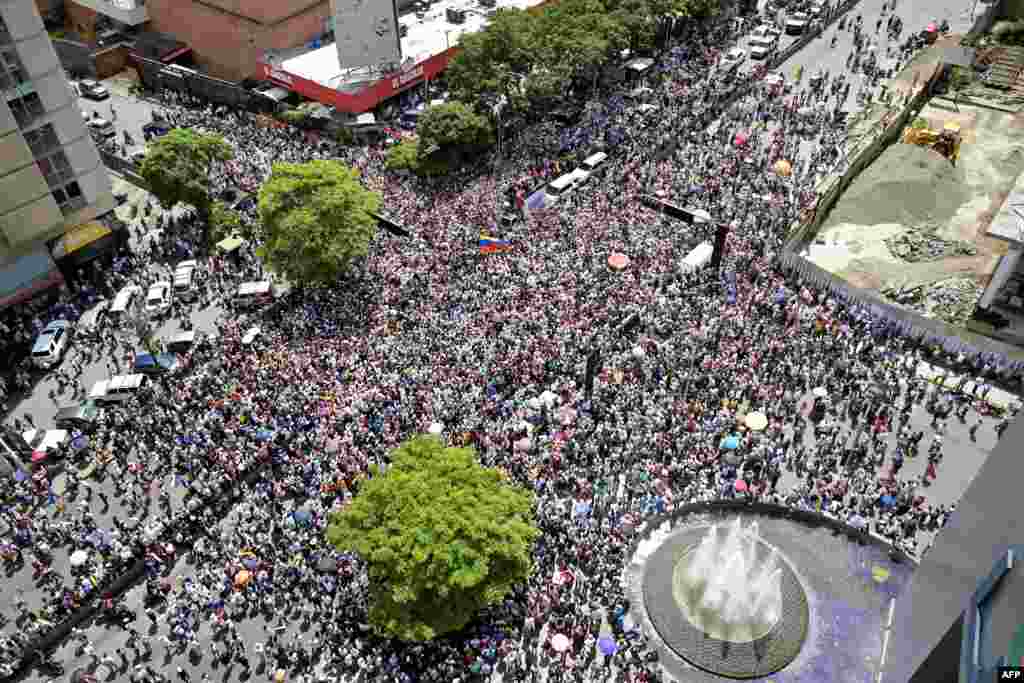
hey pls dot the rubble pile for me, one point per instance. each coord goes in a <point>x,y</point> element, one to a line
<point>914,246</point>
<point>951,300</point>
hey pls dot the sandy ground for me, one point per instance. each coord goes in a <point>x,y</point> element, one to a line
<point>910,189</point>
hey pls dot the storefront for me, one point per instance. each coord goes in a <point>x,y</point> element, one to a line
<point>28,276</point>
<point>98,239</point>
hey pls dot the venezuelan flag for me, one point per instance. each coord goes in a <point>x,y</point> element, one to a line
<point>492,245</point>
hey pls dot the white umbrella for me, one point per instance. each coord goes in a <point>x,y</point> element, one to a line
<point>78,558</point>
<point>435,428</point>
<point>820,392</point>
<point>549,398</point>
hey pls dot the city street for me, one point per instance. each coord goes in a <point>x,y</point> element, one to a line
<point>963,455</point>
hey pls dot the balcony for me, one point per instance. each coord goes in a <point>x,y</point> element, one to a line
<point>130,12</point>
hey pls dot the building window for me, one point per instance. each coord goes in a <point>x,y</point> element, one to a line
<point>26,109</point>
<point>10,63</point>
<point>69,198</point>
<point>56,169</point>
<point>42,140</point>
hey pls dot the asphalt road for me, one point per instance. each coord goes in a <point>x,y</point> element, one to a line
<point>963,456</point>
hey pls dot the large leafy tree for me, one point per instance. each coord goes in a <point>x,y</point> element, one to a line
<point>315,220</point>
<point>494,59</point>
<point>453,130</point>
<point>442,536</point>
<point>177,167</point>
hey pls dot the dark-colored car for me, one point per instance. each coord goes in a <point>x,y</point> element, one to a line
<point>77,416</point>
<point>93,90</point>
<point>155,364</point>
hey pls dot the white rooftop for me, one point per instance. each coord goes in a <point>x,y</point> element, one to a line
<point>425,37</point>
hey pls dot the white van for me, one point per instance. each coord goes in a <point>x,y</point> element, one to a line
<point>185,276</point>
<point>254,294</point>
<point>117,388</point>
<point>125,304</point>
<point>697,258</point>
<point>563,185</point>
<point>593,162</point>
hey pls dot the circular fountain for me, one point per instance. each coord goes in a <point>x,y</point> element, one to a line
<point>738,609</point>
<point>728,586</point>
<point>759,592</point>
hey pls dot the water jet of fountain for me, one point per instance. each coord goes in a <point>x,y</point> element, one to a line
<point>730,589</point>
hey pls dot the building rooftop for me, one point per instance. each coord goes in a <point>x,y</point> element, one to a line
<point>425,38</point>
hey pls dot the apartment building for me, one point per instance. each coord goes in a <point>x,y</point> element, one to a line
<point>51,177</point>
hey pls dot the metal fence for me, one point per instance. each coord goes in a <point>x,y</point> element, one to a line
<point>896,319</point>
<point>155,76</point>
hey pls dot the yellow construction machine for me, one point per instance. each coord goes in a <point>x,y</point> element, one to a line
<point>946,141</point>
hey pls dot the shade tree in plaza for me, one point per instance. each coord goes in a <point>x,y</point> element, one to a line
<point>178,165</point>
<point>442,536</point>
<point>315,220</point>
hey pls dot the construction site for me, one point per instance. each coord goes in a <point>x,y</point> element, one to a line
<point>913,227</point>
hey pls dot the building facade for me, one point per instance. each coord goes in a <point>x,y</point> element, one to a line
<point>963,613</point>
<point>228,37</point>
<point>51,176</point>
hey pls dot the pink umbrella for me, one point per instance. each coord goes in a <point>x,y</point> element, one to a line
<point>740,485</point>
<point>618,261</point>
<point>523,444</point>
<point>931,28</point>
<point>740,140</point>
<point>38,456</point>
<point>560,642</point>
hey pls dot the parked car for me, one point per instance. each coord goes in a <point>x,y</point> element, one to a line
<point>155,363</point>
<point>158,300</point>
<point>761,48</point>
<point>766,30</point>
<point>94,318</point>
<point>797,23</point>
<point>93,90</point>
<point>118,388</point>
<point>51,344</point>
<point>185,278</point>
<point>126,304</point>
<point>46,442</point>
<point>100,127</point>
<point>732,59</point>
<point>77,416</point>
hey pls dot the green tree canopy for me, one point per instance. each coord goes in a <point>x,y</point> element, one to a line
<point>443,537</point>
<point>225,221</point>
<point>315,219</point>
<point>177,167</point>
<point>452,130</point>
<point>403,156</point>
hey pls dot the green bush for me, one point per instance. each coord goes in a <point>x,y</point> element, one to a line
<point>295,117</point>
<point>403,157</point>
<point>919,123</point>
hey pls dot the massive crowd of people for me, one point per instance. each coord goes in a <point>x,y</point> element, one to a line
<point>493,350</point>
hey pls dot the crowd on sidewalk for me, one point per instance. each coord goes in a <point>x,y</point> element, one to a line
<point>492,351</point>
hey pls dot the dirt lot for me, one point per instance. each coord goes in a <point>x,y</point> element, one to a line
<point>915,190</point>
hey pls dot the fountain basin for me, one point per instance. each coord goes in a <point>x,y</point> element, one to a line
<point>706,638</point>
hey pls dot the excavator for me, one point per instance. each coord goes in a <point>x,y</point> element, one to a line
<point>945,141</point>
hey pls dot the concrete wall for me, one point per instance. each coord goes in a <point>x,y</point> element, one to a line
<point>229,44</point>
<point>986,523</point>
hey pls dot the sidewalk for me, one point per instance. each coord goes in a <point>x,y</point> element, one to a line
<point>997,398</point>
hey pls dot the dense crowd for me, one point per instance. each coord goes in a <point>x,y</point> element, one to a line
<point>492,350</point>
